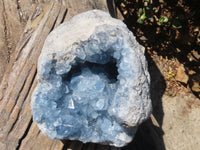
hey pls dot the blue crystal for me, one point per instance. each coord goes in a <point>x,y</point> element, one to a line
<point>95,91</point>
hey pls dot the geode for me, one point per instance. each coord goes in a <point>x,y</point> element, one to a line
<point>93,82</point>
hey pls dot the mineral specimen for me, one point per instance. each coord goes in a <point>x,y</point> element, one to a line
<point>93,83</point>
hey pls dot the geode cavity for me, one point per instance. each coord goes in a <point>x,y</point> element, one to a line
<point>93,83</point>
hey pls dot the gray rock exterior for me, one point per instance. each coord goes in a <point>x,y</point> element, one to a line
<point>93,82</point>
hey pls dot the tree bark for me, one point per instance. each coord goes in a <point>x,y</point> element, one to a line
<point>33,22</point>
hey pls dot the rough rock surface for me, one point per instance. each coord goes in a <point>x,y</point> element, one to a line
<point>93,83</point>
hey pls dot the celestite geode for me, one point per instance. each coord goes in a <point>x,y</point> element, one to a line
<point>93,82</point>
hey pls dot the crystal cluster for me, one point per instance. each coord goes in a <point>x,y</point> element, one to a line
<point>93,83</point>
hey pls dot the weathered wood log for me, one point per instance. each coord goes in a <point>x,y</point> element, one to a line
<point>17,131</point>
<point>13,17</point>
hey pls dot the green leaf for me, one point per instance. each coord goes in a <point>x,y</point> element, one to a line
<point>140,21</point>
<point>176,24</point>
<point>147,8</point>
<point>146,0</point>
<point>143,17</point>
<point>163,19</point>
<point>140,11</point>
<point>177,27</point>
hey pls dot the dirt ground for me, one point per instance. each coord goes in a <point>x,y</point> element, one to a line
<point>173,55</point>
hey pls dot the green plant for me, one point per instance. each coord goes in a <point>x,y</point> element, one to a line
<point>144,13</point>
<point>140,11</point>
<point>148,14</point>
<point>142,18</point>
<point>176,23</point>
<point>162,20</point>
